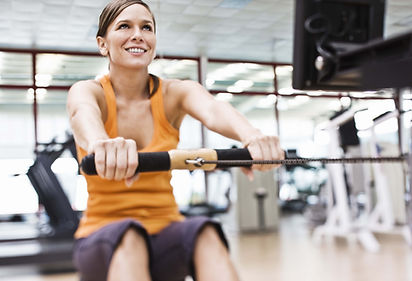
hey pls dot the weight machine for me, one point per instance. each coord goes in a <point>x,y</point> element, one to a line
<point>339,46</point>
<point>49,247</point>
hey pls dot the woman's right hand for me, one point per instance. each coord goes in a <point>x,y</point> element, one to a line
<point>115,159</point>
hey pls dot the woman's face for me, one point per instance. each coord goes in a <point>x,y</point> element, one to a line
<point>130,40</point>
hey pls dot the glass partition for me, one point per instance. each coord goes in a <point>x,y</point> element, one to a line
<point>284,76</point>
<point>16,152</point>
<point>17,124</point>
<point>52,116</point>
<point>240,77</point>
<point>15,69</point>
<point>65,70</point>
<point>175,69</point>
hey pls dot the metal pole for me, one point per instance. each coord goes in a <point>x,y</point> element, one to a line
<point>35,108</point>
<point>202,70</point>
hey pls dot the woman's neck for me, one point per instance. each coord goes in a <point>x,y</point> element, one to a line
<point>130,84</point>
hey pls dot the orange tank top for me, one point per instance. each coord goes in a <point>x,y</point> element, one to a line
<point>150,199</point>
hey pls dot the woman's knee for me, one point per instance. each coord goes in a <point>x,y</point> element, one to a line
<point>130,260</point>
<point>132,249</point>
<point>132,240</point>
<point>210,238</point>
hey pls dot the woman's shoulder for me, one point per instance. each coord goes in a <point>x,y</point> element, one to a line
<point>86,89</point>
<point>176,86</point>
<point>89,85</point>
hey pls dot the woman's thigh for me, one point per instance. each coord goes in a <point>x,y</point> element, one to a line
<point>173,248</point>
<point>92,255</point>
<point>170,251</point>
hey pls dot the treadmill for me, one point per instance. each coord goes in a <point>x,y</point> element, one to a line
<point>47,243</point>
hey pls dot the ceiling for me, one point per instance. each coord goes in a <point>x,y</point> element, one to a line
<point>251,30</point>
<point>258,30</point>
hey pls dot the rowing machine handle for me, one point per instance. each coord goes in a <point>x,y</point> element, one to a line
<point>148,162</point>
<point>174,159</point>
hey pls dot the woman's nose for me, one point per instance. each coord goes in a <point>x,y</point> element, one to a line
<point>137,34</point>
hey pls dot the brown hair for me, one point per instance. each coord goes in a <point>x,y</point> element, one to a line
<point>113,9</point>
<point>110,12</point>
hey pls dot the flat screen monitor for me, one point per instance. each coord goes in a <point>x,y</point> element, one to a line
<point>324,29</point>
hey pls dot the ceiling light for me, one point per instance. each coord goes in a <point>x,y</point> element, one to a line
<point>297,101</point>
<point>234,89</point>
<point>245,84</point>
<point>210,82</point>
<point>286,91</point>
<point>30,94</point>
<point>43,80</point>
<point>284,70</point>
<point>267,101</point>
<point>224,96</point>
<point>41,93</point>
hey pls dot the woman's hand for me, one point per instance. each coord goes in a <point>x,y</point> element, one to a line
<point>263,147</point>
<point>115,159</point>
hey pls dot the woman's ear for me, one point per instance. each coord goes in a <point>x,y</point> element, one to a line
<point>101,43</point>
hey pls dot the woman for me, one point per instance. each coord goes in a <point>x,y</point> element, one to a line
<point>132,228</point>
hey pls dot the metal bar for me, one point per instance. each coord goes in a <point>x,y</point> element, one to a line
<point>17,87</point>
<point>46,51</point>
<point>35,108</point>
<point>247,61</point>
<point>298,161</point>
<point>250,93</point>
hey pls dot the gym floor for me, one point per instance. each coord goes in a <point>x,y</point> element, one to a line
<point>289,254</point>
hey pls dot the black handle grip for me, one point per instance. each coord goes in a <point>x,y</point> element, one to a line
<point>148,162</point>
<point>160,161</point>
<point>233,154</point>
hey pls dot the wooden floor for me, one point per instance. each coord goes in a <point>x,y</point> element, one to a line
<point>291,255</point>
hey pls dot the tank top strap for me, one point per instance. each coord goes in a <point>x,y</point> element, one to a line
<point>158,110</point>
<point>111,123</point>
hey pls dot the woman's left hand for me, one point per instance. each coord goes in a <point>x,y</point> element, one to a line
<point>263,147</point>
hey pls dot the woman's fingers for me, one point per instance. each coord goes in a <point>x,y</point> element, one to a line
<point>121,159</point>
<point>110,162</point>
<point>131,180</point>
<point>275,151</point>
<point>115,159</point>
<point>132,159</point>
<point>99,157</point>
<point>265,148</point>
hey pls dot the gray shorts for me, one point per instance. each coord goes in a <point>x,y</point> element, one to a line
<point>170,251</point>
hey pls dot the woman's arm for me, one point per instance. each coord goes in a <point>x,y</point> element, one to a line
<point>222,118</point>
<point>85,113</point>
<point>114,158</point>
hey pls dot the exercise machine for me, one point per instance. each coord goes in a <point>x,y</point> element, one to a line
<point>48,243</point>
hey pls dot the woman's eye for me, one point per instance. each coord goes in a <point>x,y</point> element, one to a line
<point>147,27</point>
<point>123,26</point>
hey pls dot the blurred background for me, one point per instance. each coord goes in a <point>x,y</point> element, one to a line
<point>242,52</point>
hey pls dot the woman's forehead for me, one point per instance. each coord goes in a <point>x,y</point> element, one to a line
<point>135,11</point>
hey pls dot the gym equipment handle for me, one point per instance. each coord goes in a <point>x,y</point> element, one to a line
<point>177,159</point>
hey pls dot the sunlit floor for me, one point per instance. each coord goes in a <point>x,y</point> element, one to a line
<point>291,255</point>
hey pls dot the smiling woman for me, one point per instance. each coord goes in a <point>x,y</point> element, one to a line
<point>124,26</point>
<point>130,110</point>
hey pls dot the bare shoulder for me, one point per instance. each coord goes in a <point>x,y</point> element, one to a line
<point>86,92</point>
<point>176,86</point>
<point>90,86</point>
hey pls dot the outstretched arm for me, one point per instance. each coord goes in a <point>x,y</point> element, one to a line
<point>222,118</point>
<point>115,159</point>
<point>85,113</point>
